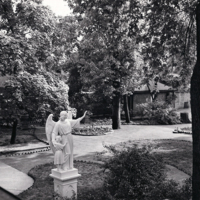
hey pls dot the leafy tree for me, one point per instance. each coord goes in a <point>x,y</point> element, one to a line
<point>107,49</point>
<point>195,106</point>
<point>172,37</point>
<point>64,44</point>
<point>31,49</point>
<point>168,41</point>
<point>25,36</point>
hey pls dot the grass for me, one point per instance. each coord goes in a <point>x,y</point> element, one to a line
<point>22,137</point>
<point>91,180</point>
<point>100,122</point>
<point>177,153</point>
<point>174,152</point>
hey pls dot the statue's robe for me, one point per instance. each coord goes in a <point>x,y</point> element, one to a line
<point>64,128</point>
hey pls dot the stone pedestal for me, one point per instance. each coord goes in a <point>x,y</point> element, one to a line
<point>65,182</point>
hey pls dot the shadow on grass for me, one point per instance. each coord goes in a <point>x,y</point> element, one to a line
<point>90,181</point>
<point>173,152</point>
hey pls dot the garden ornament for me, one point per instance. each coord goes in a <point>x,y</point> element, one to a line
<point>59,155</point>
<point>62,128</point>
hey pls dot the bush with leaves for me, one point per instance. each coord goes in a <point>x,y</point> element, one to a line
<point>37,95</point>
<point>159,112</point>
<point>136,173</point>
<point>171,190</point>
<point>133,173</point>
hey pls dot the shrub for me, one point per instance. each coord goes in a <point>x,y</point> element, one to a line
<point>135,173</point>
<point>35,96</point>
<point>171,190</point>
<point>158,111</point>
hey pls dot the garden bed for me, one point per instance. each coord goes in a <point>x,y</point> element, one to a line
<point>185,130</point>
<point>100,122</point>
<point>91,131</point>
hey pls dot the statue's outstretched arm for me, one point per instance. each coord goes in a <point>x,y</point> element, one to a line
<point>75,123</point>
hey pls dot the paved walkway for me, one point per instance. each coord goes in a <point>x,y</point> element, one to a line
<point>19,147</point>
<point>14,180</point>
<point>13,170</point>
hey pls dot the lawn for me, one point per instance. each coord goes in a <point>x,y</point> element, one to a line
<point>91,180</point>
<point>177,153</point>
<point>174,152</point>
<point>22,137</point>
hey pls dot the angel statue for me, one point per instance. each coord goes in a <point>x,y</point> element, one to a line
<point>63,128</point>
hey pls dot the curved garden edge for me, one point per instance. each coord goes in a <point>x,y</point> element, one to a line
<point>173,173</point>
<point>106,133</point>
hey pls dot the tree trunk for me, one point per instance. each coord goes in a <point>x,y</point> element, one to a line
<point>116,121</point>
<point>126,109</point>
<point>14,132</point>
<point>195,108</point>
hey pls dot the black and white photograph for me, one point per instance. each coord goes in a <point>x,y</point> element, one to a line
<point>99,99</point>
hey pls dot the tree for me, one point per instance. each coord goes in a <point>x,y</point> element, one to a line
<point>195,106</point>
<point>34,97</point>
<point>168,41</point>
<point>107,49</point>
<point>170,50</point>
<point>173,36</point>
<point>30,51</point>
<point>25,33</point>
<point>126,109</point>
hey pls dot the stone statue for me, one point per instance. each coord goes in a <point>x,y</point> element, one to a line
<point>59,154</point>
<point>63,128</point>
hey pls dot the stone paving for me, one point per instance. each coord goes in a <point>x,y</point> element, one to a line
<point>14,180</point>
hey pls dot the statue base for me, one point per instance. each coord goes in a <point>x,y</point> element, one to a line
<point>65,182</point>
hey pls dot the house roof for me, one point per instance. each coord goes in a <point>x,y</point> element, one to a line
<point>160,87</point>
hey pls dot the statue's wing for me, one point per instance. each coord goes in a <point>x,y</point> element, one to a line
<point>49,129</point>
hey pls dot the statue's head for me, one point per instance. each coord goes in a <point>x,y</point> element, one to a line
<point>63,115</point>
<point>58,139</point>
